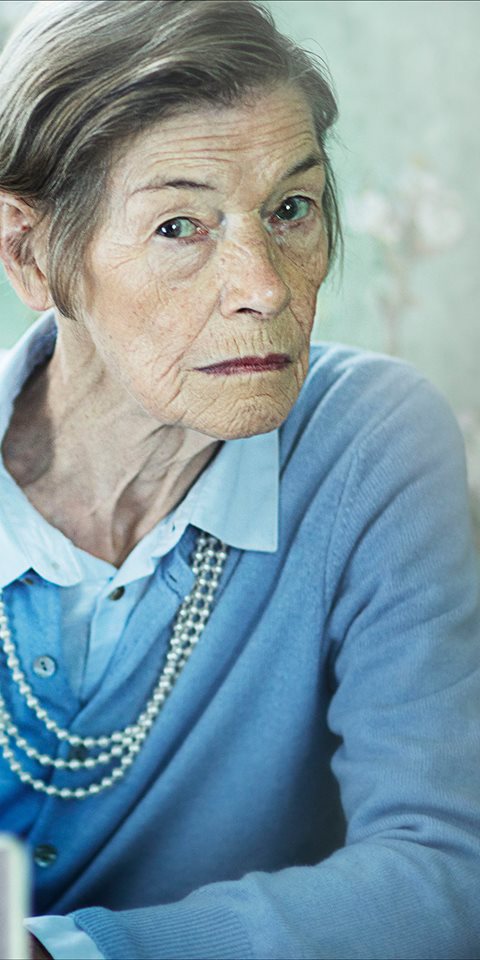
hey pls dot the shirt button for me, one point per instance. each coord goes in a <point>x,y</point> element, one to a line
<point>117,593</point>
<point>45,855</point>
<point>44,666</point>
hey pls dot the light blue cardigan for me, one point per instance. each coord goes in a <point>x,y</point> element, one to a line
<point>312,786</point>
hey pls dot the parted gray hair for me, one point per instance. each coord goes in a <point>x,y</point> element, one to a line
<point>79,78</point>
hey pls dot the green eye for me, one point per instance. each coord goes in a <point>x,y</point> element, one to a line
<point>293,208</point>
<point>180,228</point>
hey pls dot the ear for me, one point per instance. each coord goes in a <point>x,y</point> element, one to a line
<point>22,250</point>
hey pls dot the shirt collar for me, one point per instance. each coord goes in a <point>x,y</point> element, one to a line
<point>235,498</point>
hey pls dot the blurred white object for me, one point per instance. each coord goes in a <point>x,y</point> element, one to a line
<point>422,213</point>
<point>374,213</point>
<point>14,885</point>
<point>433,209</point>
<point>420,217</point>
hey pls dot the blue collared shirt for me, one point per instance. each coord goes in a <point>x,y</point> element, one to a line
<point>91,622</point>
<point>248,519</point>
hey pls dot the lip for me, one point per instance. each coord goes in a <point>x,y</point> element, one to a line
<point>274,361</point>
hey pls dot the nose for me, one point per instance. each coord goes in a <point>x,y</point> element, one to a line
<point>250,280</point>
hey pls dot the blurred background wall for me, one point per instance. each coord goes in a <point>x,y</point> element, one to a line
<point>406,152</point>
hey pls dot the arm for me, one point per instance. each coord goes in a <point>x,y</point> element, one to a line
<point>404,636</point>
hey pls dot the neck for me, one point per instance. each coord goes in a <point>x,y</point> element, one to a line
<point>93,462</point>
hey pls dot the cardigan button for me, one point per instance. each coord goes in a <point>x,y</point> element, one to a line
<point>45,855</point>
<point>44,666</point>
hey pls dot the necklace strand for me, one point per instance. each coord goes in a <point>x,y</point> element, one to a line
<point>121,746</point>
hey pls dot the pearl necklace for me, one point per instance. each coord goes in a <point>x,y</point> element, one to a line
<point>121,746</point>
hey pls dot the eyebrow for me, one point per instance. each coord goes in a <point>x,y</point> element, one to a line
<point>181,183</point>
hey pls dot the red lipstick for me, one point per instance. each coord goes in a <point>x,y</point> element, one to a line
<point>274,361</point>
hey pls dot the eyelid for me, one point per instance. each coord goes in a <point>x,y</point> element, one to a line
<point>203,233</point>
<point>195,238</point>
<point>295,196</point>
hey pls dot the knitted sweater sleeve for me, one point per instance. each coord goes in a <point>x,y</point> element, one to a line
<point>403,629</point>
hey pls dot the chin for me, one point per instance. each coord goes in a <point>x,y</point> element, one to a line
<point>250,420</point>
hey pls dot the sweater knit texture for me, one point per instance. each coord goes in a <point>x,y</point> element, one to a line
<point>311,788</point>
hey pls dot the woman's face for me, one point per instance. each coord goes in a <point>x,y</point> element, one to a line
<point>200,286</point>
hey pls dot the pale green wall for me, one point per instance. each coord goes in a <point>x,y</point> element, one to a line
<point>407,75</point>
<point>14,316</point>
<point>407,158</point>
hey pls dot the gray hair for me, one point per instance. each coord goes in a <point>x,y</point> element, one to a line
<point>80,78</point>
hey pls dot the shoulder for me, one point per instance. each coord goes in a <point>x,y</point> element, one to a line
<point>355,382</point>
<point>368,422</point>
<point>352,395</point>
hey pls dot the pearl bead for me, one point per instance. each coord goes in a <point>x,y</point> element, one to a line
<point>207,564</point>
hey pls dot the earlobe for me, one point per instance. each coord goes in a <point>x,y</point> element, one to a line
<point>17,225</point>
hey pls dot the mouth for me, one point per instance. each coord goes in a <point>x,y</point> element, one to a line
<point>274,361</point>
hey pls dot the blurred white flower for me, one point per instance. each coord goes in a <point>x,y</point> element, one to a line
<point>373,213</point>
<point>433,210</point>
<point>422,213</point>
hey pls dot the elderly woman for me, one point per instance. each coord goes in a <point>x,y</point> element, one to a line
<point>239,609</point>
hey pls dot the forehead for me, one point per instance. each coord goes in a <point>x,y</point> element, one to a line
<point>259,138</point>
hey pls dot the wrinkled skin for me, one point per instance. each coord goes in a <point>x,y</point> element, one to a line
<point>126,419</point>
<point>159,308</point>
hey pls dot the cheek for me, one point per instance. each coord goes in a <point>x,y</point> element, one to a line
<point>154,302</point>
<point>145,326</point>
<point>305,251</point>
<point>305,268</point>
